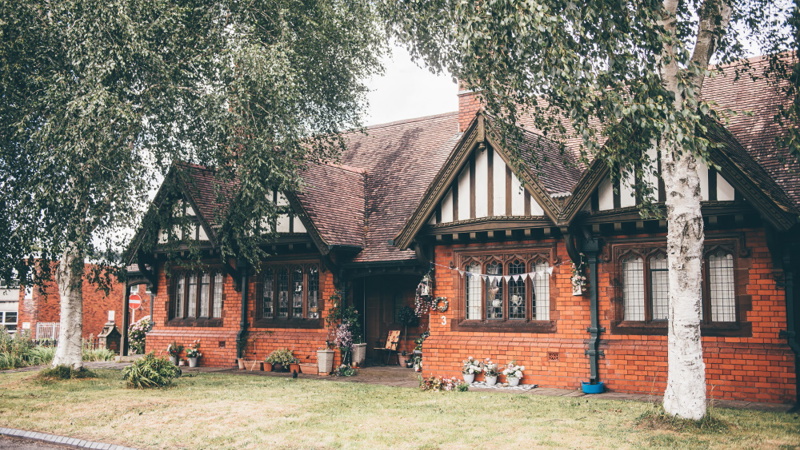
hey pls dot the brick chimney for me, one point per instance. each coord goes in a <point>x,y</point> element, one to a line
<point>468,105</point>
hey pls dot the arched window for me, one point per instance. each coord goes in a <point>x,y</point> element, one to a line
<point>721,287</point>
<point>473,290</point>
<point>517,299</point>
<point>494,290</point>
<point>541,290</point>
<point>659,286</point>
<point>633,288</point>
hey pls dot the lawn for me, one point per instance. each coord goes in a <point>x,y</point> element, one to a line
<point>212,410</point>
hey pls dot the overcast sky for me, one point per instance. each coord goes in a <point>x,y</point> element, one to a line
<point>407,91</point>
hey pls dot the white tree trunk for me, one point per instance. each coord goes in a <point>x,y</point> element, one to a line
<point>686,376</point>
<point>69,277</point>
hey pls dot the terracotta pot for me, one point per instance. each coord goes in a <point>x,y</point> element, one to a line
<point>277,367</point>
<point>267,367</point>
<point>294,367</point>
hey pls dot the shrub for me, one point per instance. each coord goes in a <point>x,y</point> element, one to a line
<point>63,372</point>
<point>137,333</point>
<point>98,354</point>
<point>281,356</point>
<point>19,351</point>
<point>150,372</point>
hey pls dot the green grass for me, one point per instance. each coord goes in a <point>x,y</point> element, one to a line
<point>210,410</point>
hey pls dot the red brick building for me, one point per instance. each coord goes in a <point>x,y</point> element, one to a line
<point>441,193</point>
<point>40,308</point>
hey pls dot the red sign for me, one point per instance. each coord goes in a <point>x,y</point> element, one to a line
<point>135,301</point>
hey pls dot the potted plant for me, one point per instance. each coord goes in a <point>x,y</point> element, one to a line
<point>281,359</point>
<point>513,373</point>
<point>490,372</point>
<point>407,318</point>
<point>193,352</point>
<point>325,360</point>
<point>174,350</point>
<point>470,368</point>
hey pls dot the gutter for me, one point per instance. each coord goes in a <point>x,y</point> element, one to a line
<point>592,250</point>
<point>792,332</point>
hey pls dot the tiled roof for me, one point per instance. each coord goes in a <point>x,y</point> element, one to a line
<point>557,172</point>
<point>210,193</point>
<point>333,198</point>
<point>754,104</point>
<point>400,160</point>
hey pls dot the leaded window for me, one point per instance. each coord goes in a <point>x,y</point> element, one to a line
<point>289,292</point>
<point>197,295</point>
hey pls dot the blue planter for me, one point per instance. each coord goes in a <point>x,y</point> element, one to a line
<point>589,388</point>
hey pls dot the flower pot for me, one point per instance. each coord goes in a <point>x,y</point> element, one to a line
<point>277,367</point>
<point>513,381</point>
<point>267,367</point>
<point>589,388</point>
<point>192,362</point>
<point>294,367</point>
<point>240,361</point>
<point>490,380</point>
<point>174,359</point>
<point>577,289</point>
<point>359,354</point>
<point>469,378</point>
<point>325,361</point>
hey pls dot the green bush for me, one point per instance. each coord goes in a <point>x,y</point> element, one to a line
<point>19,351</point>
<point>98,354</point>
<point>150,372</point>
<point>281,356</point>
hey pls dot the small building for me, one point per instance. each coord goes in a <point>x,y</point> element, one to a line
<point>502,243</point>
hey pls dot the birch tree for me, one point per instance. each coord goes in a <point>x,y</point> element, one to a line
<point>635,67</point>
<point>99,97</point>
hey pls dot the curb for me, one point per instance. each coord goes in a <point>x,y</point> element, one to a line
<point>60,440</point>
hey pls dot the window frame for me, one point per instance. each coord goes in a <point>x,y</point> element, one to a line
<point>530,255</point>
<point>197,320</point>
<point>646,248</point>
<point>292,320</point>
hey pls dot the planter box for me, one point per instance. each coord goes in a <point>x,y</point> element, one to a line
<point>250,364</point>
<point>308,368</point>
<point>325,361</point>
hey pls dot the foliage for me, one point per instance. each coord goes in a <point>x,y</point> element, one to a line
<point>421,339</point>
<point>513,371</point>
<point>137,333</point>
<point>490,369</point>
<point>174,349</point>
<point>281,356</point>
<point>343,338</point>
<point>19,351</point>
<point>63,372</point>
<point>346,370</point>
<point>98,354</point>
<point>101,99</point>
<point>194,350</point>
<point>471,366</point>
<point>150,371</point>
<point>407,317</point>
<point>438,384</point>
<point>338,314</point>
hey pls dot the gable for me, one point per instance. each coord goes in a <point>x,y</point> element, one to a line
<point>485,187</point>
<point>614,192</point>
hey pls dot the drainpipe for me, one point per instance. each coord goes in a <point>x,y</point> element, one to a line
<point>591,248</point>
<point>241,336</point>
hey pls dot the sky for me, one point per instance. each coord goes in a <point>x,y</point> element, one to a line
<point>406,91</point>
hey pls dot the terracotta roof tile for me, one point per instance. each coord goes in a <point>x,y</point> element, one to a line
<point>400,159</point>
<point>210,193</point>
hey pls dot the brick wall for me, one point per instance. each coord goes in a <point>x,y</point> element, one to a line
<point>757,367</point>
<point>44,305</point>
<point>218,344</point>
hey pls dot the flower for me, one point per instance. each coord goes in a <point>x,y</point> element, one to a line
<point>174,349</point>
<point>513,371</point>
<point>194,350</point>
<point>471,366</point>
<point>343,337</point>
<point>490,369</point>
